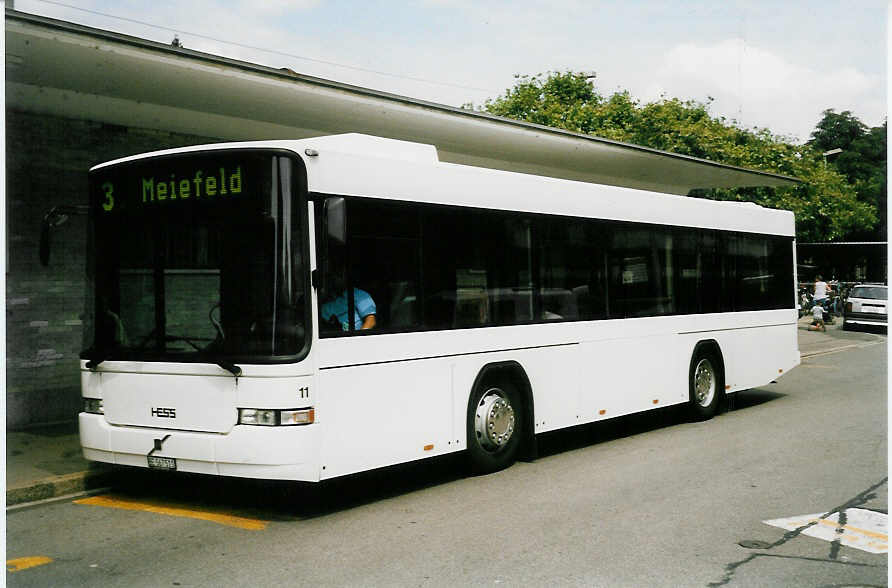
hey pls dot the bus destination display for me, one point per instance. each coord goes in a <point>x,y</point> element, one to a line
<point>198,184</point>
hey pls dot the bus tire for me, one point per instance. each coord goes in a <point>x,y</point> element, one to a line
<point>495,426</point>
<point>706,383</point>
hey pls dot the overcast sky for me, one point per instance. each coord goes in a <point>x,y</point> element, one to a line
<point>775,64</point>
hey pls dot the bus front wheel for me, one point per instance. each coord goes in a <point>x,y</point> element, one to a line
<point>706,384</point>
<point>494,426</point>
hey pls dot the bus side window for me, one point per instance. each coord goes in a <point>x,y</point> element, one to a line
<point>568,263</point>
<point>384,250</point>
<point>477,268</point>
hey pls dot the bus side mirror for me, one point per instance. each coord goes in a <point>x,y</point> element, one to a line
<point>54,218</point>
<point>334,241</point>
<point>333,213</point>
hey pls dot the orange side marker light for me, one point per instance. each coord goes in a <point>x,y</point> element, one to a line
<point>428,447</point>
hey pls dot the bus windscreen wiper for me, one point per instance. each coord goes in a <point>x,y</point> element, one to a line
<point>94,362</point>
<point>229,367</point>
<point>175,338</point>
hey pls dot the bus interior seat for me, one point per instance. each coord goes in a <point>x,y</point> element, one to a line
<point>403,305</point>
<point>561,302</point>
<point>471,307</point>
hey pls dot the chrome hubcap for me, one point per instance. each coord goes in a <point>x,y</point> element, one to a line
<point>494,420</point>
<point>704,382</point>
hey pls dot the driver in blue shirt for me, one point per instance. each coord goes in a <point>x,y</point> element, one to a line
<point>363,310</point>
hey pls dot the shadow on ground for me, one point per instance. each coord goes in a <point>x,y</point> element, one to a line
<point>286,501</point>
<point>852,331</point>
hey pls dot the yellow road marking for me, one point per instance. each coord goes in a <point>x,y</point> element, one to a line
<point>222,519</point>
<point>873,534</point>
<point>23,563</point>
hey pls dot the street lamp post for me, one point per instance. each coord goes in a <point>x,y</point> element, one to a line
<point>831,152</point>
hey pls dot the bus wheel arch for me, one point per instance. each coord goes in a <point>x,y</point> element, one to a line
<point>706,380</point>
<point>499,422</point>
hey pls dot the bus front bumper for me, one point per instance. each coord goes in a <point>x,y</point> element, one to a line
<point>271,453</point>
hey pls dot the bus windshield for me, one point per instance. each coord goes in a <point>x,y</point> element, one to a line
<point>200,258</point>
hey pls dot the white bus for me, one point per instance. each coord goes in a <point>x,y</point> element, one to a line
<point>504,305</point>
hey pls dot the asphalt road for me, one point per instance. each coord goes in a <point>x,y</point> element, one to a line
<point>642,501</point>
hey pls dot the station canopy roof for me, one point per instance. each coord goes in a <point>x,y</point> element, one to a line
<point>63,69</point>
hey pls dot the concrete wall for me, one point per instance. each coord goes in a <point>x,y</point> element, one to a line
<point>46,165</point>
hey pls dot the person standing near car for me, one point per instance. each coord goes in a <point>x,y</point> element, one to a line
<point>822,292</point>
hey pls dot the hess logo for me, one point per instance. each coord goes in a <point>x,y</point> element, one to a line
<point>164,413</point>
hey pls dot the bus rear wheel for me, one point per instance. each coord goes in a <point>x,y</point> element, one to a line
<point>706,385</point>
<point>494,426</point>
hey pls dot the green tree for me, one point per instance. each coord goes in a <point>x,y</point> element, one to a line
<point>826,204</point>
<point>836,131</point>
<point>862,161</point>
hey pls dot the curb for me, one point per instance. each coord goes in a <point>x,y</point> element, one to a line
<point>59,486</point>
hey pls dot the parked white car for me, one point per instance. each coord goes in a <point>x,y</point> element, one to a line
<point>866,305</point>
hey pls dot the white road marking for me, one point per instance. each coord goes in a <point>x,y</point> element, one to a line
<point>879,340</point>
<point>862,529</point>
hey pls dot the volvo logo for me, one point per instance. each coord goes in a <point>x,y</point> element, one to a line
<point>164,413</point>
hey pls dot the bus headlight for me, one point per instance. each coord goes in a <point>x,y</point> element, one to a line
<point>93,406</point>
<point>272,418</point>
<point>256,416</point>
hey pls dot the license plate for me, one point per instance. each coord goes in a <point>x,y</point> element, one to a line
<point>162,463</point>
<point>874,309</point>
